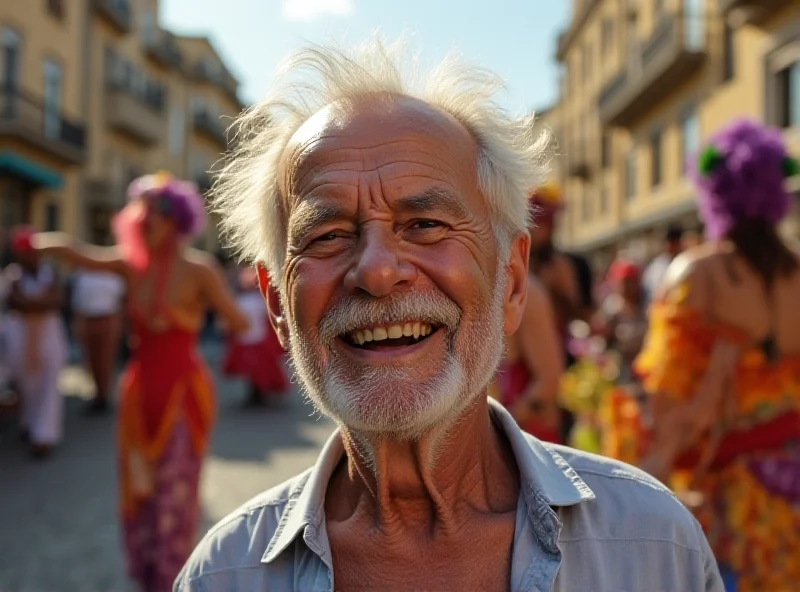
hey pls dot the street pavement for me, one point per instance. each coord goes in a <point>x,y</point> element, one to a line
<point>58,518</point>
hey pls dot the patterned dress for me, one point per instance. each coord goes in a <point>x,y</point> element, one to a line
<point>166,416</point>
<point>747,469</point>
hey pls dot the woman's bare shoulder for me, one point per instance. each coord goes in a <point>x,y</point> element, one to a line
<point>702,259</point>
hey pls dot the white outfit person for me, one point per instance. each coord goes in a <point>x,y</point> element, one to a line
<point>37,353</point>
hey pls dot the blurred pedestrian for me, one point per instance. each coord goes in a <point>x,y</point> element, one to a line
<point>37,344</point>
<point>97,303</point>
<point>673,246</point>
<point>722,363</point>
<point>624,316</point>
<point>167,406</point>
<point>256,355</point>
<point>533,361</point>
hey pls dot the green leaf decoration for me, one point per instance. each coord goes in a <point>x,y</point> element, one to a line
<point>710,159</point>
<point>791,167</point>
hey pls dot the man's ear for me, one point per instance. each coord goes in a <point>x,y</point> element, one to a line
<point>273,301</point>
<point>516,294</point>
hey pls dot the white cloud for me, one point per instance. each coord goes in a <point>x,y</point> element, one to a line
<point>306,10</point>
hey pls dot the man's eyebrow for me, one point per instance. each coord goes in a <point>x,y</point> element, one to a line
<point>435,199</point>
<point>309,216</point>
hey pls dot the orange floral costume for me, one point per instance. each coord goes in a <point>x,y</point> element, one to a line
<point>748,477</point>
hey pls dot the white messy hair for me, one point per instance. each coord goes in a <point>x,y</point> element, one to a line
<point>512,156</point>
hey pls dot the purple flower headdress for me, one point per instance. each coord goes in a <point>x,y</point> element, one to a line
<point>741,175</point>
<point>178,200</point>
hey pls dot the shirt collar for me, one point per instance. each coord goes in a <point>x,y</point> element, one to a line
<point>543,472</point>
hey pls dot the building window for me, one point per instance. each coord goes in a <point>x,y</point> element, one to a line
<point>630,175</point>
<point>586,207</point>
<point>690,136</point>
<point>11,45</point>
<point>52,98</point>
<point>728,53</point>
<point>789,96</point>
<point>51,217</point>
<point>56,8</point>
<point>177,131</point>
<point>658,9</point>
<point>587,63</point>
<point>148,25</point>
<point>605,151</point>
<point>607,40</point>
<point>655,158</point>
<point>603,199</point>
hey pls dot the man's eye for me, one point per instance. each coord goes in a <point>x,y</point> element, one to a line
<point>427,224</point>
<point>328,236</point>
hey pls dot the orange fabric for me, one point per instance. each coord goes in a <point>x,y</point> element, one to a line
<point>165,381</point>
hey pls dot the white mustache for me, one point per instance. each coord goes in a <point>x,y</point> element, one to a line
<point>354,312</point>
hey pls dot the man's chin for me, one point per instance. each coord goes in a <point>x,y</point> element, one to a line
<point>394,409</point>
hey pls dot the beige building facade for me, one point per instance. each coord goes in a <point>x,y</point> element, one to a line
<point>644,82</point>
<point>113,95</point>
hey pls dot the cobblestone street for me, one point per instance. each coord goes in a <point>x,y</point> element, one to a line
<point>58,521</point>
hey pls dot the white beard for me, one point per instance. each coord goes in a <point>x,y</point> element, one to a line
<point>405,402</point>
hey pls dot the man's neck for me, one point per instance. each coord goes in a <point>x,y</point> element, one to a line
<point>437,483</point>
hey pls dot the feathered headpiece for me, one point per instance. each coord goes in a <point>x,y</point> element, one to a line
<point>741,175</point>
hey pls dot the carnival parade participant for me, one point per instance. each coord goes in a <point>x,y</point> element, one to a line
<point>97,302</point>
<point>721,364</point>
<point>256,355</point>
<point>166,406</point>
<point>36,344</point>
<point>528,377</point>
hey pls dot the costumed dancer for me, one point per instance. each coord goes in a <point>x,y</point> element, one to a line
<point>97,301</point>
<point>36,344</point>
<point>528,378</point>
<point>721,364</point>
<point>167,405</point>
<point>256,355</point>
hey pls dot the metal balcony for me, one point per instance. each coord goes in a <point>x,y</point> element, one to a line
<point>211,127</point>
<point>116,12</point>
<point>751,12</point>
<point>29,120</point>
<point>666,59</point>
<point>165,50</point>
<point>134,114</point>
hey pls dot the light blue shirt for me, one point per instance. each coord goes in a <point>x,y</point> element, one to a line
<point>584,523</point>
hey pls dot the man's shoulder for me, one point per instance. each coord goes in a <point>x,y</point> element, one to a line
<point>629,503</point>
<point>239,541</point>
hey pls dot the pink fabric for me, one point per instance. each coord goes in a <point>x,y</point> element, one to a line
<point>160,537</point>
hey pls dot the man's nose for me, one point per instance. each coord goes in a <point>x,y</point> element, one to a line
<point>379,268</point>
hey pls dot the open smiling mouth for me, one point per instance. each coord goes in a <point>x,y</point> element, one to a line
<point>399,335</point>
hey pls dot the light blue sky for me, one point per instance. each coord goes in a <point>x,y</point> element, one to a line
<point>515,38</point>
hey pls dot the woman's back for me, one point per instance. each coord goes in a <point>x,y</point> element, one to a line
<point>730,292</point>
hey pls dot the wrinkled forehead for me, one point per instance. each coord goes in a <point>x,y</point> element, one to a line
<point>378,134</point>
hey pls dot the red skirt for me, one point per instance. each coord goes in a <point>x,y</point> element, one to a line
<point>260,363</point>
<point>513,380</point>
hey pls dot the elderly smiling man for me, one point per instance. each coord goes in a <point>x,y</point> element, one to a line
<point>391,220</point>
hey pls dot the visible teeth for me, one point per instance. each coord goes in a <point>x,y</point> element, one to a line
<point>408,330</point>
<point>426,330</point>
<point>367,335</point>
<point>416,330</point>
<point>395,332</point>
<point>360,337</point>
<point>379,334</point>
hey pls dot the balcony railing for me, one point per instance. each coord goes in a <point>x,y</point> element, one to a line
<point>211,126</point>
<point>137,114</point>
<point>116,12</point>
<point>752,12</point>
<point>29,119</point>
<point>164,49</point>
<point>672,54</point>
